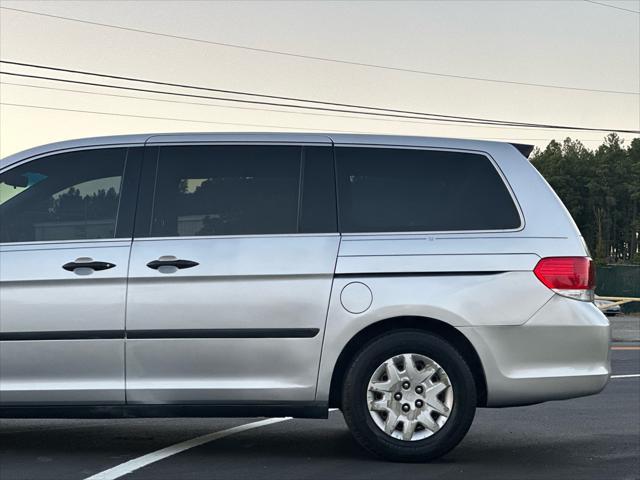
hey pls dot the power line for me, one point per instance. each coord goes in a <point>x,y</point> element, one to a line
<point>43,107</point>
<point>215,105</point>
<point>324,59</point>
<point>412,115</point>
<point>150,117</point>
<point>248,94</point>
<point>423,120</point>
<point>612,6</point>
<point>255,102</point>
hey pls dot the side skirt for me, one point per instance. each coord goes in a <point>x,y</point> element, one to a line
<point>296,410</point>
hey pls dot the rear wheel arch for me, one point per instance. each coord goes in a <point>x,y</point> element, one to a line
<point>449,333</point>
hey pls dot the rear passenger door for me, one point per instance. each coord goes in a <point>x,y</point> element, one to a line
<point>231,272</point>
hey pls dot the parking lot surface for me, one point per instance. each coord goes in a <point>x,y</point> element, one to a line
<point>586,438</point>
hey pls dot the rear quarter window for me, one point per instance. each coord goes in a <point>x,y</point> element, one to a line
<point>404,190</point>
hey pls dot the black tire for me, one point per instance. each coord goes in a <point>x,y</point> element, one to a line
<point>354,396</point>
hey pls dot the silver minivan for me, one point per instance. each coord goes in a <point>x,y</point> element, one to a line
<point>404,280</point>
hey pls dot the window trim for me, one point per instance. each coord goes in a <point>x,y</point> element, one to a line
<point>231,237</point>
<point>50,153</point>
<point>126,170</point>
<point>150,146</point>
<point>148,182</point>
<point>61,244</point>
<point>493,162</point>
<point>292,143</point>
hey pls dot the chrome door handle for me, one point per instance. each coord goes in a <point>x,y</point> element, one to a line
<point>93,265</point>
<point>178,263</point>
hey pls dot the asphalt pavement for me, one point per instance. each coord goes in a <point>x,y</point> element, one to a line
<point>596,437</point>
<point>625,328</point>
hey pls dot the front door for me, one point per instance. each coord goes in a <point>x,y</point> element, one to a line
<point>65,232</point>
<point>230,274</point>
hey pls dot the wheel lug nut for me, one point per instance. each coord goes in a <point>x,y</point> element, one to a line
<point>406,407</point>
<point>406,385</point>
<point>419,389</point>
<point>419,403</point>
<point>398,396</point>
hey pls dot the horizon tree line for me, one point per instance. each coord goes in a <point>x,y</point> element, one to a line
<point>601,190</point>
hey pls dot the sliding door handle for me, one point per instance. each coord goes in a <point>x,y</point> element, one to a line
<point>176,262</point>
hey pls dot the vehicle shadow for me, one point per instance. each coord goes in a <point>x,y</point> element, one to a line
<point>299,451</point>
<point>296,449</point>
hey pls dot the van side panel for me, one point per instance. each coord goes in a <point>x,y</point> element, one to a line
<point>479,282</point>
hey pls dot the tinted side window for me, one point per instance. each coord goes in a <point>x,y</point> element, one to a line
<point>70,196</point>
<point>235,190</point>
<point>396,190</point>
<point>318,196</point>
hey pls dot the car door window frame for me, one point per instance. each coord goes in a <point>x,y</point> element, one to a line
<point>148,185</point>
<point>127,203</point>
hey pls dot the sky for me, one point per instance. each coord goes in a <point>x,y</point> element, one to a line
<point>574,43</point>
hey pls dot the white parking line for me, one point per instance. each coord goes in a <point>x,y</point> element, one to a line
<point>128,467</point>
<point>634,375</point>
<point>136,463</point>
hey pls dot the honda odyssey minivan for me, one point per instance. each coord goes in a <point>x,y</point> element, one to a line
<point>404,280</point>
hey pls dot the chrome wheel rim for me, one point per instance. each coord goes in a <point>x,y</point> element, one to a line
<point>410,397</point>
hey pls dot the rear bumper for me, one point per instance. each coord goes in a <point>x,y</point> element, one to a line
<point>561,352</point>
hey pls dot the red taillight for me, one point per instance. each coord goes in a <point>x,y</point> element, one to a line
<point>572,277</point>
